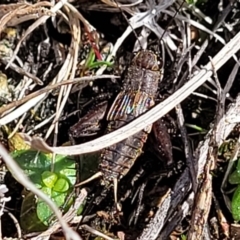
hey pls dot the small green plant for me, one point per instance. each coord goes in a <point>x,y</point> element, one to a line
<point>92,63</point>
<point>234,178</point>
<point>55,179</point>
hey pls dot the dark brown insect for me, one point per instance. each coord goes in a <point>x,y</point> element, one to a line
<point>139,92</point>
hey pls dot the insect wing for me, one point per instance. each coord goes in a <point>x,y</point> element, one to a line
<point>129,103</point>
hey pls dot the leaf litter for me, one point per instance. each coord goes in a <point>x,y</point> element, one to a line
<point>48,83</point>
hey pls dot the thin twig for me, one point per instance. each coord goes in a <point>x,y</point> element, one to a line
<point>17,225</point>
<point>191,164</point>
<point>22,72</point>
<point>95,232</point>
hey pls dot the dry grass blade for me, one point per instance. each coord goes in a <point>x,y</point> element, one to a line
<point>23,72</point>
<point>71,70</point>
<point>125,7</point>
<point>21,110</point>
<point>62,74</point>
<point>37,23</point>
<point>14,14</point>
<point>6,8</point>
<point>197,25</point>
<point>79,16</point>
<point>68,66</point>
<point>116,5</point>
<point>5,18</point>
<point>151,116</point>
<point>146,19</point>
<point>17,103</point>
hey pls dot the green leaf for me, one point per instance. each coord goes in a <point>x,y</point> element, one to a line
<point>61,185</point>
<point>80,209</point>
<point>238,164</point>
<point>66,166</point>
<point>29,220</point>
<point>59,198</point>
<point>43,211</point>
<point>236,204</point>
<point>91,58</point>
<point>33,164</point>
<point>49,178</point>
<point>197,128</point>
<point>234,178</point>
<point>100,63</point>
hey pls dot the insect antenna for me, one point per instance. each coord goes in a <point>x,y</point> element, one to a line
<point>170,22</point>
<point>165,30</point>
<point>133,30</point>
